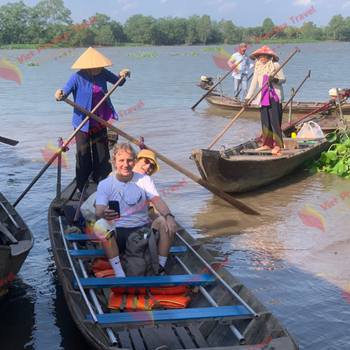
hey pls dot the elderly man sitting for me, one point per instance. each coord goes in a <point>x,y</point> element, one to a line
<point>133,191</point>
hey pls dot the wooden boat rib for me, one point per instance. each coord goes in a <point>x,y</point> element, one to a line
<point>240,168</point>
<point>16,240</point>
<point>226,102</point>
<point>223,315</point>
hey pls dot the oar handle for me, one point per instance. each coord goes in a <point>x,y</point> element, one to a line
<point>295,92</point>
<point>256,94</point>
<point>59,151</point>
<point>234,202</point>
<point>209,91</point>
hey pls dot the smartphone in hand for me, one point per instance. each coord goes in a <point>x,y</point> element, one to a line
<point>114,205</point>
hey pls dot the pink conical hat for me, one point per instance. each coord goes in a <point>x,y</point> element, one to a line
<point>266,51</point>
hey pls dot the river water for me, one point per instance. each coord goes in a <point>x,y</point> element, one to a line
<point>298,272</point>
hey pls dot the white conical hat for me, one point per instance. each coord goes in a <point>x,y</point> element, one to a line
<point>91,59</point>
<point>102,228</point>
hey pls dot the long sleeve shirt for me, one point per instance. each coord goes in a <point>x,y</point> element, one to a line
<point>243,67</point>
<point>81,85</point>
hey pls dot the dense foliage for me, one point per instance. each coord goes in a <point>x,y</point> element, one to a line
<point>336,160</point>
<point>21,24</point>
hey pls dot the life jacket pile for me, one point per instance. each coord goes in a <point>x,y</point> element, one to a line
<point>141,298</point>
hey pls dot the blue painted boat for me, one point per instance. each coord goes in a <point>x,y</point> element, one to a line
<point>221,314</point>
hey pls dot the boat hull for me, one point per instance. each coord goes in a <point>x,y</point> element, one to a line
<point>298,108</point>
<point>242,174</point>
<point>12,256</point>
<point>265,330</point>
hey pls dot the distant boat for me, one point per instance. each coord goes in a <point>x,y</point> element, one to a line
<point>228,103</point>
<point>242,168</point>
<point>16,240</point>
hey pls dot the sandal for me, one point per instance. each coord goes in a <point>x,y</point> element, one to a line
<point>277,153</point>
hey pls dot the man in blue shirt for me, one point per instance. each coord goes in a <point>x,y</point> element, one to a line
<point>240,72</point>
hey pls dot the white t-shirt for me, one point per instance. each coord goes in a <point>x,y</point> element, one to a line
<point>133,198</point>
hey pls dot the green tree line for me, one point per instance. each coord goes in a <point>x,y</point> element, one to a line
<point>21,24</point>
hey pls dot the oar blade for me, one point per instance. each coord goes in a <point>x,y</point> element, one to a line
<point>8,141</point>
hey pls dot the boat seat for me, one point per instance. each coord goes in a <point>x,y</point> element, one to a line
<point>8,235</point>
<point>304,139</point>
<point>221,313</point>
<point>147,281</point>
<point>99,253</point>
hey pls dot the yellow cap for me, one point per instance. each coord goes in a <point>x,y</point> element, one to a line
<point>91,59</point>
<point>145,153</point>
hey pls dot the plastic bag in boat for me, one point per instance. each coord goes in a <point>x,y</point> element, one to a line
<point>310,130</point>
<point>88,208</point>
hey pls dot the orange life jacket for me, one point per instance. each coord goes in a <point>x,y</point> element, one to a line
<point>133,302</point>
<point>178,290</point>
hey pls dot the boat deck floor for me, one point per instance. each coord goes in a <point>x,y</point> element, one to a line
<point>165,336</point>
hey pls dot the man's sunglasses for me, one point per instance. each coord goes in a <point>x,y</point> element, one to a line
<point>152,165</point>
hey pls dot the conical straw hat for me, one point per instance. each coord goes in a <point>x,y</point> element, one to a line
<point>266,51</point>
<point>91,59</point>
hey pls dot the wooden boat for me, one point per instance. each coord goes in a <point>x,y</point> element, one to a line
<point>227,102</point>
<point>222,314</point>
<point>16,240</point>
<point>242,168</point>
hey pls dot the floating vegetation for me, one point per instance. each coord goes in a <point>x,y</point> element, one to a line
<point>336,160</point>
<point>211,49</point>
<point>154,54</point>
<point>117,52</point>
<point>68,54</point>
<point>161,50</point>
<point>186,54</point>
<point>32,64</point>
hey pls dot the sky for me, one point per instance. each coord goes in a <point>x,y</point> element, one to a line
<point>245,13</point>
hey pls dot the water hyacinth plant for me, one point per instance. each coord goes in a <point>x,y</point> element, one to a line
<point>186,54</point>
<point>336,160</point>
<point>211,49</point>
<point>154,54</point>
<point>32,64</point>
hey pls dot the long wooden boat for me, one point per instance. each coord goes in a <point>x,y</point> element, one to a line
<point>226,102</point>
<point>16,240</point>
<point>222,313</point>
<point>241,168</point>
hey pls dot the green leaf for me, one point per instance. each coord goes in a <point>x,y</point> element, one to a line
<point>331,137</point>
<point>341,149</point>
<point>347,142</point>
<point>309,163</point>
<point>313,170</point>
<point>331,155</point>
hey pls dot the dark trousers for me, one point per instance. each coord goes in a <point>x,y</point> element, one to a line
<point>271,120</point>
<point>92,156</point>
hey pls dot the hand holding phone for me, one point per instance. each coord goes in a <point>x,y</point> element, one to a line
<point>114,205</point>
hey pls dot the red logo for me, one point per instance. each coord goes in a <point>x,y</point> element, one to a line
<point>312,218</point>
<point>9,71</point>
<point>50,151</point>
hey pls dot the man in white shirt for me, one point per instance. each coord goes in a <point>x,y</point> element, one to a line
<point>133,191</point>
<point>240,71</point>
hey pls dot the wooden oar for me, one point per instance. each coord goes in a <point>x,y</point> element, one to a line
<point>59,151</point>
<point>203,97</point>
<point>256,94</point>
<point>295,92</point>
<point>8,141</point>
<point>234,202</point>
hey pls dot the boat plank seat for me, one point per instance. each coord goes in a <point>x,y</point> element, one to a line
<point>99,253</point>
<point>304,139</point>
<point>7,234</point>
<point>147,281</point>
<point>268,152</point>
<point>221,313</point>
